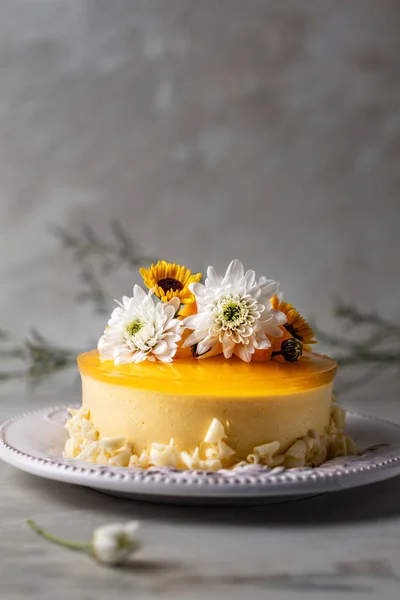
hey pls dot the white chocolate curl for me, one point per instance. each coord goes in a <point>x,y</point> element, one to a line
<point>212,454</point>
<point>215,433</point>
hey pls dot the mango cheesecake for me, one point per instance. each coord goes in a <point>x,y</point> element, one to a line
<point>206,376</point>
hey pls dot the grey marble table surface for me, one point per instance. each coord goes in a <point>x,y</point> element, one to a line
<point>341,545</point>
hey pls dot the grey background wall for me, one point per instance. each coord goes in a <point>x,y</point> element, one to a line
<point>263,130</point>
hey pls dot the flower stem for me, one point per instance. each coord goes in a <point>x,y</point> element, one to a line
<point>79,546</point>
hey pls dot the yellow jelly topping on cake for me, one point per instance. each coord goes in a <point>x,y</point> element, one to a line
<point>214,376</point>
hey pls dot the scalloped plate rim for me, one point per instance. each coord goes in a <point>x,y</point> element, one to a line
<point>165,484</point>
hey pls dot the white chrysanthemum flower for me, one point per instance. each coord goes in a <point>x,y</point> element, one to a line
<point>113,543</point>
<point>234,313</point>
<point>139,329</point>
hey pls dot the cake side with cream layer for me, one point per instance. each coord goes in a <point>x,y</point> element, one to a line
<point>273,406</point>
<point>256,402</point>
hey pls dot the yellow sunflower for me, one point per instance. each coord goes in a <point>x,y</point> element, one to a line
<point>170,280</point>
<point>296,325</point>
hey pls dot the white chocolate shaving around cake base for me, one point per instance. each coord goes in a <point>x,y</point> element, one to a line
<point>212,454</point>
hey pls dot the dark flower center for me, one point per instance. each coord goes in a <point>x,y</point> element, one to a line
<point>170,284</point>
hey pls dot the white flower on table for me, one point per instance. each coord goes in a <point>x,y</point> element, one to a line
<point>140,329</point>
<point>234,313</point>
<point>111,544</point>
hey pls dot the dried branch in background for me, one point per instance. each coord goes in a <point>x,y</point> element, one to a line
<point>377,350</point>
<point>36,358</point>
<point>96,258</point>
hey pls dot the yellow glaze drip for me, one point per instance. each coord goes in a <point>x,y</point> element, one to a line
<point>214,376</point>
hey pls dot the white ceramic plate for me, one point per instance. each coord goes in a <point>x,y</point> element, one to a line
<point>34,443</point>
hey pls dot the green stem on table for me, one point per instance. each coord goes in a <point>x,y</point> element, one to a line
<point>79,546</point>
